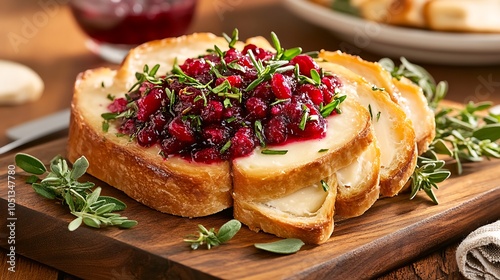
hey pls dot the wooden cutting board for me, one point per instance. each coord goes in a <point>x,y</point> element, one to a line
<point>393,232</point>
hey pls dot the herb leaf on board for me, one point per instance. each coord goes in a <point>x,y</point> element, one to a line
<point>61,183</point>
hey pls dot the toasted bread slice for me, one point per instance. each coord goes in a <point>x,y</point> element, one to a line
<point>407,13</point>
<point>164,52</point>
<point>173,186</point>
<point>413,102</point>
<point>293,216</point>
<point>355,193</point>
<point>465,15</point>
<point>393,130</point>
<point>406,94</point>
<point>374,10</point>
<point>261,177</point>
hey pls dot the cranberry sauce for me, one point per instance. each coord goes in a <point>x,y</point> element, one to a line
<point>126,22</point>
<point>222,105</point>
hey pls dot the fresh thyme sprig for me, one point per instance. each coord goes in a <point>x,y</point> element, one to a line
<point>463,134</point>
<point>211,237</point>
<point>62,183</point>
<point>147,75</point>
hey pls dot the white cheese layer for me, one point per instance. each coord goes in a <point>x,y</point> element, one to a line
<point>352,175</point>
<point>383,132</point>
<point>304,202</point>
<point>341,129</point>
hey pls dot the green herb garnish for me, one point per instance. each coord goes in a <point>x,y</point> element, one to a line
<point>212,238</point>
<point>327,110</point>
<point>62,183</point>
<point>284,246</point>
<point>273,152</point>
<point>148,75</point>
<point>325,185</point>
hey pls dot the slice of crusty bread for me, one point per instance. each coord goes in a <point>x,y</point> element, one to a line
<point>405,93</point>
<point>176,186</point>
<point>261,177</point>
<point>464,15</point>
<point>173,186</point>
<point>293,216</point>
<point>357,193</point>
<point>393,130</point>
<point>407,13</point>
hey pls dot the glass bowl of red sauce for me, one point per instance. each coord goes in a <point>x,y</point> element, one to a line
<point>116,26</point>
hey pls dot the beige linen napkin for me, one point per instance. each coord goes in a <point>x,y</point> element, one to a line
<point>478,256</point>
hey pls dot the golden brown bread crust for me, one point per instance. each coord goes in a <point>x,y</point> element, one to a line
<point>312,230</point>
<point>253,186</point>
<point>403,92</point>
<point>173,186</point>
<point>396,171</point>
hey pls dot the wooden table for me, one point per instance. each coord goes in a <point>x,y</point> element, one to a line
<point>53,46</point>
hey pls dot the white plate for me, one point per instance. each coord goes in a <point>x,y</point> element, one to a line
<point>414,44</point>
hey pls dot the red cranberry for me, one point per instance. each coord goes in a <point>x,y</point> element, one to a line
<point>256,108</point>
<point>148,104</point>
<point>207,155</point>
<point>191,99</point>
<point>234,80</point>
<point>171,146</point>
<point>293,111</point>
<point>314,129</point>
<point>329,84</point>
<point>215,135</point>
<point>242,143</point>
<point>146,136</point>
<point>275,130</point>
<point>259,53</point>
<point>195,66</point>
<point>118,105</point>
<point>280,86</point>
<point>181,130</point>
<point>159,121</point>
<point>314,93</point>
<point>232,55</point>
<point>263,91</point>
<point>128,127</point>
<point>306,64</point>
<point>212,112</point>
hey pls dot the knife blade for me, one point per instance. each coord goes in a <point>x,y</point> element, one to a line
<point>36,129</point>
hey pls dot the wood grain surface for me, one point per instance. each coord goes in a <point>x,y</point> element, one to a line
<point>393,232</point>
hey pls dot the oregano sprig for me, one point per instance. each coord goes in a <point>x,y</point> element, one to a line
<point>62,183</point>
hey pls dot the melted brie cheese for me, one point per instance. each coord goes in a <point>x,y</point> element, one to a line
<point>352,175</point>
<point>304,202</point>
<point>341,129</point>
<point>380,122</point>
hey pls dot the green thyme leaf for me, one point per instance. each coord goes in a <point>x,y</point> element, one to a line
<point>325,186</point>
<point>228,230</point>
<point>284,246</point>
<point>233,39</point>
<point>30,164</point>
<point>225,147</point>
<point>79,168</point>
<point>212,238</point>
<point>273,152</point>
<point>89,207</point>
